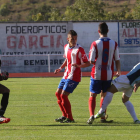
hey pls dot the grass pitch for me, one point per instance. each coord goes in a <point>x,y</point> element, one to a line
<point>33,108</point>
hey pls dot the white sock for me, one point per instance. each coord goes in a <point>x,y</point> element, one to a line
<point>131,110</point>
<point>106,102</point>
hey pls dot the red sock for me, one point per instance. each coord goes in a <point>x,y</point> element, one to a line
<point>92,105</point>
<point>101,102</point>
<point>59,101</point>
<point>66,104</point>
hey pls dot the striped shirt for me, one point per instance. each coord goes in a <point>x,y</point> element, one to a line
<point>134,75</point>
<point>74,55</point>
<point>103,52</point>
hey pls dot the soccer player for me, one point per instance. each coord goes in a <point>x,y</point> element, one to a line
<point>5,97</point>
<point>75,59</point>
<point>103,52</point>
<point>127,84</point>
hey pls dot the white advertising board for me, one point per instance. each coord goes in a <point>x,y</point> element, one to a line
<point>39,39</point>
<point>20,39</point>
<point>129,33</point>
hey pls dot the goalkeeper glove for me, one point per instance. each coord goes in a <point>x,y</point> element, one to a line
<point>5,75</point>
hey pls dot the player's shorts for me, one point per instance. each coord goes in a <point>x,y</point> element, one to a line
<point>67,85</point>
<point>122,84</point>
<point>97,85</point>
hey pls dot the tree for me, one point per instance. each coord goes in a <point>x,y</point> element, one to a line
<point>38,17</point>
<point>85,10</point>
<point>136,11</point>
<point>4,10</point>
<point>40,14</point>
<point>123,14</point>
<point>55,15</point>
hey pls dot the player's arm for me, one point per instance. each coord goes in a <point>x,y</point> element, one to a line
<point>4,76</point>
<point>117,60</point>
<point>84,65</point>
<point>61,67</point>
<point>1,78</point>
<point>84,60</point>
<point>92,54</point>
<point>118,67</point>
<point>136,86</point>
<point>92,62</point>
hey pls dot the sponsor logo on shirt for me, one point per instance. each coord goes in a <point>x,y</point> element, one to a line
<point>84,57</point>
<point>73,54</point>
<point>103,67</point>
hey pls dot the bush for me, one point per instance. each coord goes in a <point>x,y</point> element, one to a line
<point>4,10</point>
<point>42,12</point>
<point>32,1</point>
<point>13,0</point>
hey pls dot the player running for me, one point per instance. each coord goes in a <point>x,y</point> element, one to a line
<point>5,97</point>
<point>103,53</point>
<point>127,84</point>
<point>75,59</point>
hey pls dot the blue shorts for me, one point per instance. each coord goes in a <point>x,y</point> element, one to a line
<point>67,85</point>
<point>97,85</point>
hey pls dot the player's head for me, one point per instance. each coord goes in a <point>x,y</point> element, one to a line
<point>103,28</point>
<point>72,38</point>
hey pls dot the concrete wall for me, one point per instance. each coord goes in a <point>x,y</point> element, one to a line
<point>19,40</point>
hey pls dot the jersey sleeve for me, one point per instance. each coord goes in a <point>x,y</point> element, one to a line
<point>92,52</point>
<point>83,55</point>
<point>64,55</point>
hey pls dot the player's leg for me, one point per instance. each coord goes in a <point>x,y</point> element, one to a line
<point>95,88</point>
<point>107,100</point>
<point>103,119</point>
<point>68,88</point>
<point>105,86</point>
<point>101,101</point>
<point>129,106</point>
<point>92,106</point>
<point>118,84</point>
<point>4,103</point>
<point>67,106</point>
<point>59,101</point>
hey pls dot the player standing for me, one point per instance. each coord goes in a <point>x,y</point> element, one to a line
<point>103,53</point>
<point>5,97</point>
<point>75,59</point>
<point>126,83</point>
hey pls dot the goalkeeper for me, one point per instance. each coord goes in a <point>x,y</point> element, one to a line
<point>5,97</point>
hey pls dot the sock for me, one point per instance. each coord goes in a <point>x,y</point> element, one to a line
<point>101,102</point>
<point>131,110</point>
<point>59,101</point>
<point>92,105</point>
<point>106,102</point>
<point>4,103</point>
<point>67,106</point>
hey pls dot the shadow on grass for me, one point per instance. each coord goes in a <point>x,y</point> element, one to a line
<point>81,124</point>
<point>73,126</point>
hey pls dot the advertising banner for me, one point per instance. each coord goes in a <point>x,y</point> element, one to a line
<point>129,34</point>
<point>39,47</point>
<point>129,42</point>
<point>23,39</point>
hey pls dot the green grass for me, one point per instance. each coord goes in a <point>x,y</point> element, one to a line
<point>33,108</point>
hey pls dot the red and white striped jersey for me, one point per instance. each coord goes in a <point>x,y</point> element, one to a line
<point>104,52</point>
<point>74,55</point>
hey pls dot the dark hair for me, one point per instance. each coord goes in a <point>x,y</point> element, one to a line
<point>103,28</point>
<point>72,33</point>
